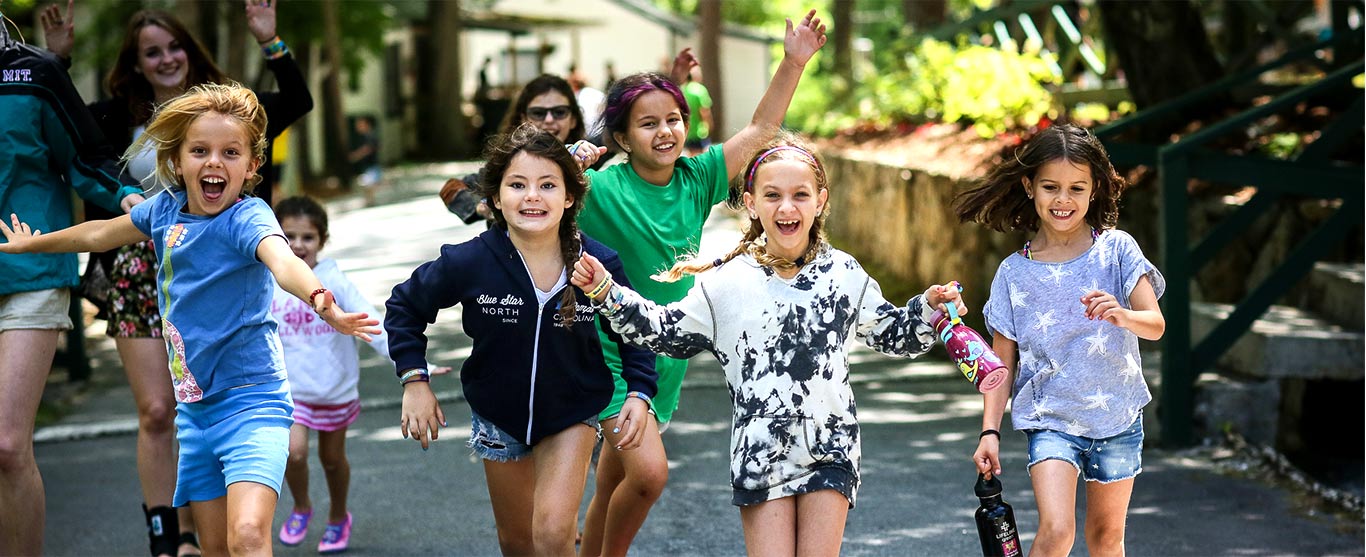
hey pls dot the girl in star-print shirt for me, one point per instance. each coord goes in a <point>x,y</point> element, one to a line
<point>1069,308</point>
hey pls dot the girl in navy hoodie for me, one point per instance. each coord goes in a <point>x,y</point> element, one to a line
<point>536,378</point>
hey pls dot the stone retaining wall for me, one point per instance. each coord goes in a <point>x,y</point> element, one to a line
<point>899,223</point>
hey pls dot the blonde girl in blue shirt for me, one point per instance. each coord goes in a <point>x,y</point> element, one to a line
<point>219,251</point>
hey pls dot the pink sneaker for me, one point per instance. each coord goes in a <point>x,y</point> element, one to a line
<point>337,537</point>
<point>295,528</point>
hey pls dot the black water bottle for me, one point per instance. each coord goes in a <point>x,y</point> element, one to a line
<point>995,520</point>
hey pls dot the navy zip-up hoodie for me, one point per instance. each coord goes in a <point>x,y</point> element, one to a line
<point>526,374</point>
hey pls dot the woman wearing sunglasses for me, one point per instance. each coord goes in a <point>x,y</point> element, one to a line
<point>548,102</point>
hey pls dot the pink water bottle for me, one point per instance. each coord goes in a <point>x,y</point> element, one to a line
<point>974,356</point>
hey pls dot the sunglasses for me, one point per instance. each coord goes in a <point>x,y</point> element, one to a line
<point>539,112</point>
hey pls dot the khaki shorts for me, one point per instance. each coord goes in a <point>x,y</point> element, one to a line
<point>41,309</point>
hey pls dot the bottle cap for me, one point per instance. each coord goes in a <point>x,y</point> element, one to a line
<point>987,488</point>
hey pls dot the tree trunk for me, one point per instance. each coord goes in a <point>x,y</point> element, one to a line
<point>709,27</point>
<point>1164,52</point>
<point>443,129</point>
<point>842,20</point>
<point>923,15</point>
<point>336,133</point>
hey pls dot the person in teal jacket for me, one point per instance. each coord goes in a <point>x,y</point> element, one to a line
<point>49,146</point>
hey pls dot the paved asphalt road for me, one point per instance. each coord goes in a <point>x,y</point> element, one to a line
<point>919,419</point>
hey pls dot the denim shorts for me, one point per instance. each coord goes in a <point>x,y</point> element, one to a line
<point>490,442</point>
<point>237,435</point>
<point>1105,460</point>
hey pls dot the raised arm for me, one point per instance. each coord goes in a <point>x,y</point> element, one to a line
<point>93,235</point>
<point>295,277</point>
<point>293,99</point>
<point>59,31</point>
<point>800,43</point>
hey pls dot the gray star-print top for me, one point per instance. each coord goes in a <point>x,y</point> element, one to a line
<point>782,343</point>
<point>1075,375</point>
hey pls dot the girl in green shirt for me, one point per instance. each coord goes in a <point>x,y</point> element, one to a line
<point>651,211</point>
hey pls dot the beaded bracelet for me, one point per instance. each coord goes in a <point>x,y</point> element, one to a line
<point>413,375</point>
<point>312,299</point>
<point>274,49</point>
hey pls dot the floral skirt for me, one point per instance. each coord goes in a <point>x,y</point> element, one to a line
<point>133,311</point>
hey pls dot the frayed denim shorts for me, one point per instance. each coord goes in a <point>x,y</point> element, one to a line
<point>1105,460</point>
<point>490,442</point>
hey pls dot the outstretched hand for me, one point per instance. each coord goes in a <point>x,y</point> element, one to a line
<point>261,19</point>
<point>359,325</point>
<point>683,65</point>
<point>801,41</point>
<point>17,236</point>
<point>59,31</point>
<point>588,274</point>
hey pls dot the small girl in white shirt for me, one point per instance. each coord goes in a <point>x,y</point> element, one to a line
<point>324,370</point>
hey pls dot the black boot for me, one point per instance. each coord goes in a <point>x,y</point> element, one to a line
<point>163,530</point>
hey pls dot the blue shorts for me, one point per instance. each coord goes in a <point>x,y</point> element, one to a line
<point>1105,460</point>
<point>237,435</point>
<point>490,442</point>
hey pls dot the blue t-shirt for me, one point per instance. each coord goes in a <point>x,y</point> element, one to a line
<point>214,294</point>
<point>1075,375</point>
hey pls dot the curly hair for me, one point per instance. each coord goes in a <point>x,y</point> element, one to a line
<point>529,139</point>
<point>166,132</point>
<point>999,200</point>
<point>787,146</point>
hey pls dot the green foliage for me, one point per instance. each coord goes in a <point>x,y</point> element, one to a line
<point>763,14</point>
<point>992,89</point>
<point>362,29</point>
<point>1280,145</point>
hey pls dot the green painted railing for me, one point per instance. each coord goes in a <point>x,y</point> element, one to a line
<point>1308,175</point>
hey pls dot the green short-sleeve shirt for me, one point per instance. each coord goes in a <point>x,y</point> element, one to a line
<point>651,227</point>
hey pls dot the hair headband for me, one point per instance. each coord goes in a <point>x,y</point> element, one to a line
<point>749,178</point>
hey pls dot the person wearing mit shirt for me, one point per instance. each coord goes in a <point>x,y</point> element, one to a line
<point>49,146</point>
<point>536,378</point>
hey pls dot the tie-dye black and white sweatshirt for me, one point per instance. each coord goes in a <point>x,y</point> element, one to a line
<point>783,344</point>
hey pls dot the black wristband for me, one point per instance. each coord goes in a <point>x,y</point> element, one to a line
<point>987,432</point>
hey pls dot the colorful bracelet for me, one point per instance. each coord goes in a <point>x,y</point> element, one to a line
<point>649,404</point>
<point>412,375</point>
<point>312,299</point>
<point>604,285</point>
<point>615,299</point>
<point>274,49</point>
